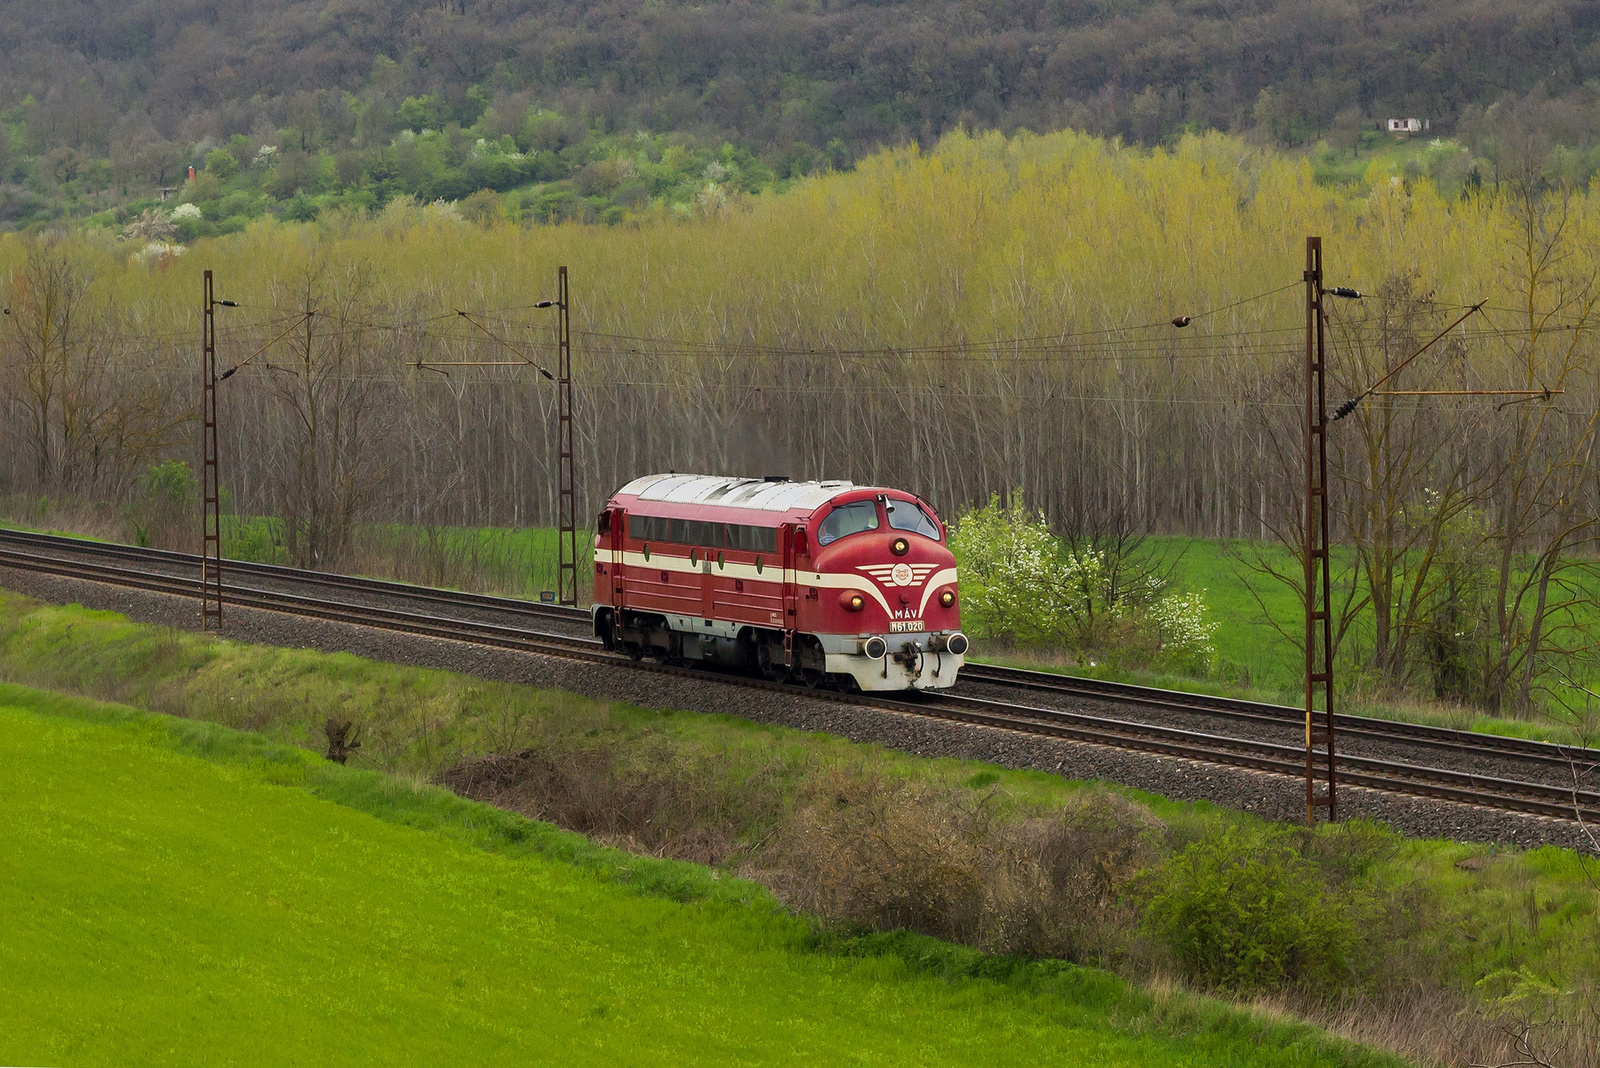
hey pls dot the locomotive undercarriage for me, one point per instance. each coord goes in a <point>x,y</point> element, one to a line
<point>753,650</point>
<point>841,661</point>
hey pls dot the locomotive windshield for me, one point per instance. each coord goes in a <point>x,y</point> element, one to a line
<point>848,519</point>
<point>904,515</point>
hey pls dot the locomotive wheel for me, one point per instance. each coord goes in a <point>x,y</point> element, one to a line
<point>634,650</point>
<point>813,677</point>
<point>770,671</point>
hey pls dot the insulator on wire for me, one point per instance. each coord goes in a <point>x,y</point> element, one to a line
<point>1182,321</point>
<point>1346,408</point>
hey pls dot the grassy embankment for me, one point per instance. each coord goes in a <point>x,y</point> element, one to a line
<point>181,892</point>
<point>1470,924</point>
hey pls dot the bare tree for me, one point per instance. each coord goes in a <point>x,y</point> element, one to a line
<point>324,467</point>
<point>97,411</point>
<point>1542,451</point>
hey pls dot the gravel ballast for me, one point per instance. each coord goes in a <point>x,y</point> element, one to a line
<point>1264,794</point>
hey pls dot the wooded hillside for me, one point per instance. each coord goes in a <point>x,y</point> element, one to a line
<point>801,84</point>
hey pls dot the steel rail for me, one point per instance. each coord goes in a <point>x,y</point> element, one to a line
<point>424,594</point>
<point>1418,734</point>
<point>333,611</point>
<point>1539,798</point>
<point>1389,776</point>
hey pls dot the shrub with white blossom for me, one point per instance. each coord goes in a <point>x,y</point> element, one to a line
<point>1182,633</point>
<point>1023,585</point>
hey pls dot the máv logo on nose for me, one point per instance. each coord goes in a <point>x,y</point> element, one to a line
<point>901,574</point>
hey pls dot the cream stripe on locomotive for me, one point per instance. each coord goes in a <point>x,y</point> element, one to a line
<point>681,565</point>
<point>947,575</point>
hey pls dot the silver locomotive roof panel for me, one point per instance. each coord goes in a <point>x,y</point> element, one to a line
<point>753,493</point>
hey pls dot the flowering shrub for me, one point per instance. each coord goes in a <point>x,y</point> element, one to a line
<point>1183,637</point>
<point>1011,573</point>
<point>1021,584</point>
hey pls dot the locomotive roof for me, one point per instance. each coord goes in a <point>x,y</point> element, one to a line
<point>754,494</point>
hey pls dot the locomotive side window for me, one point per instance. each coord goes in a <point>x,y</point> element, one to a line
<point>752,539</point>
<point>702,534</point>
<point>904,515</point>
<point>848,519</point>
<point>707,535</point>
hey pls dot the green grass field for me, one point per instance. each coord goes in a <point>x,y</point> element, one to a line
<point>516,561</point>
<point>178,892</point>
<point>1256,658</point>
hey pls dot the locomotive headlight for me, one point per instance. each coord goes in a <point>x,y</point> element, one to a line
<point>851,601</point>
<point>900,547</point>
<point>947,598</point>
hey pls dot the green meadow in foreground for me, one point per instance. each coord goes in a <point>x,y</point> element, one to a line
<point>1491,917</point>
<point>177,892</point>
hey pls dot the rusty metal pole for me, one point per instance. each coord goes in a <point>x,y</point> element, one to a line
<point>211,522</point>
<point>1318,582</point>
<point>566,495</point>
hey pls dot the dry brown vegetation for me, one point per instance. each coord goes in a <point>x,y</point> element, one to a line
<point>865,848</point>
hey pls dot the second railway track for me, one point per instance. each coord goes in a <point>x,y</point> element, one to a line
<point>504,623</point>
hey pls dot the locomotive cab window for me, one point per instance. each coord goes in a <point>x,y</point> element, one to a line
<point>848,519</point>
<point>906,515</point>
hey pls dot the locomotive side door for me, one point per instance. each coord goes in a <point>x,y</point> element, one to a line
<point>793,544</point>
<point>708,589</point>
<point>618,542</point>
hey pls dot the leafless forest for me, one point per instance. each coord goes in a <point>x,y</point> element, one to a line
<point>995,314</point>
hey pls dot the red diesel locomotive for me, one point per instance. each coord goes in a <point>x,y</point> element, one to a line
<point>810,581</point>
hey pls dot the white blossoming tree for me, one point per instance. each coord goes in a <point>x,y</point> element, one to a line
<point>1023,586</point>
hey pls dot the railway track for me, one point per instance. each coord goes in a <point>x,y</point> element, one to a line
<point>188,564</point>
<point>163,572</point>
<point>1419,735</point>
